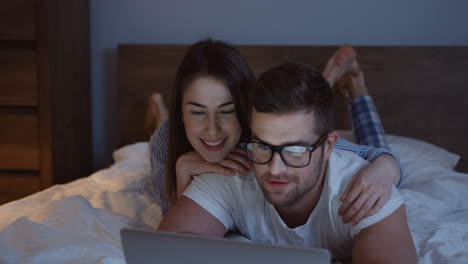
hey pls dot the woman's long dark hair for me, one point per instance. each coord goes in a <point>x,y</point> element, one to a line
<point>206,58</point>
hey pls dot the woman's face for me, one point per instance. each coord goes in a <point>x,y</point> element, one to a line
<point>210,118</point>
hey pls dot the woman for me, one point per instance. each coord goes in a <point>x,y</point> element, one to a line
<point>209,118</point>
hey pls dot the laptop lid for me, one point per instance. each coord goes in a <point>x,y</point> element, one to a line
<point>162,247</point>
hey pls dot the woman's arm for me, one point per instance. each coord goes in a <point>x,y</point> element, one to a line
<point>372,153</point>
<point>369,131</point>
<point>370,187</point>
<point>188,165</point>
<point>154,183</point>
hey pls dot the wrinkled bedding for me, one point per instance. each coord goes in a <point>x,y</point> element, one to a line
<point>79,222</point>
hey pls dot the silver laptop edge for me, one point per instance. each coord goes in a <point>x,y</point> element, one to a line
<point>143,246</point>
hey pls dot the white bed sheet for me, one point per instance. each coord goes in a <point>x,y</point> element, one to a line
<point>80,222</point>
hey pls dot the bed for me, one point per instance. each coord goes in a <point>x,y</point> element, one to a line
<point>79,222</point>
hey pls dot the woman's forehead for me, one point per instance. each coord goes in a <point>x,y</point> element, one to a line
<point>207,90</point>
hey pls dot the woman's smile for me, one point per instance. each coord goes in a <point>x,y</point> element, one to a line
<point>213,145</point>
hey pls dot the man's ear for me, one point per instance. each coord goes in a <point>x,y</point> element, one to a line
<point>329,143</point>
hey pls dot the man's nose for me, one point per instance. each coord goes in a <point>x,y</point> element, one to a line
<point>277,165</point>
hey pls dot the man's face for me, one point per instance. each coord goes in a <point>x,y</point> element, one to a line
<point>282,185</point>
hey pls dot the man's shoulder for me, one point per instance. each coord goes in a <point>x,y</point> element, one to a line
<point>341,168</point>
<point>343,165</point>
<point>221,178</point>
<point>225,197</point>
<point>237,183</point>
<point>345,156</point>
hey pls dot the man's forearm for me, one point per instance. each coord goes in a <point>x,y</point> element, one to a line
<point>188,217</point>
<point>386,242</point>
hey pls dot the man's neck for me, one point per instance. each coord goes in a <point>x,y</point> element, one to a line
<point>298,214</point>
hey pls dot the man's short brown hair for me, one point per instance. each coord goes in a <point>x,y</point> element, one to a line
<point>292,87</point>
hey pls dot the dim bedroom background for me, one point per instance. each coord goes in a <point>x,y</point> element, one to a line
<point>420,93</point>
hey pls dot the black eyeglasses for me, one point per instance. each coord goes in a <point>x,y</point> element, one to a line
<point>296,156</point>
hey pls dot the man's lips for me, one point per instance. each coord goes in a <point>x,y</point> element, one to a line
<point>279,183</point>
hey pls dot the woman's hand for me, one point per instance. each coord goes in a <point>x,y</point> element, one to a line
<point>369,189</point>
<point>191,164</point>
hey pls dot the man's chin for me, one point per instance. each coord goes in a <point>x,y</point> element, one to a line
<point>277,199</point>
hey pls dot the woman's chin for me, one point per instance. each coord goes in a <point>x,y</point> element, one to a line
<point>213,157</point>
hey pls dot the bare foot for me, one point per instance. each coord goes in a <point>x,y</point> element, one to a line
<point>156,113</point>
<point>352,84</point>
<point>339,64</point>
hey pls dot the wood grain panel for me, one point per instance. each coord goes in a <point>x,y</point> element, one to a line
<point>19,146</point>
<point>17,19</point>
<point>16,185</point>
<point>143,70</point>
<point>64,90</point>
<point>18,77</point>
<point>420,92</point>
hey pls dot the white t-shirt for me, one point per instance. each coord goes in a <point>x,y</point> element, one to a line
<point>238,203</point>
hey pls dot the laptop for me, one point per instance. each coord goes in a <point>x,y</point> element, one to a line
<point>142,247</point>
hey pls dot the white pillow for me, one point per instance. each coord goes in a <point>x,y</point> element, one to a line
<point>137,151</point>
<point>414,150</point>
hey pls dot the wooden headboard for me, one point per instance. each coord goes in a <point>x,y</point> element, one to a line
<point>420,92</point>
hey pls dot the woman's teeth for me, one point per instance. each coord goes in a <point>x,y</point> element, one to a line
<point>215,143</point>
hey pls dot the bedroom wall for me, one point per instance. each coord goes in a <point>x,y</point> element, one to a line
<point>296,22</point>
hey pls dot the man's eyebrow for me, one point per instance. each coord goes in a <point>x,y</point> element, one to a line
<point>299,142</point>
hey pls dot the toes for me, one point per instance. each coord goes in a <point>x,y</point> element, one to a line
<point>345,54</point>
<point>354,69</point>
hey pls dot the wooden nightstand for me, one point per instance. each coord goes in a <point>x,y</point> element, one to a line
<point>45,127</point>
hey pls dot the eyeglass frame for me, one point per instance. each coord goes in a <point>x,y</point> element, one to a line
<point>278,149</point>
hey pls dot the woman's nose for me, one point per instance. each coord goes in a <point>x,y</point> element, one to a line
<point>212,124</point>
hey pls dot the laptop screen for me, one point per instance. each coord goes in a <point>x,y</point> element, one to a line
<point>162,247</point>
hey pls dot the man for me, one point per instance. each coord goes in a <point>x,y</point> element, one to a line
<point>293,199</point>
